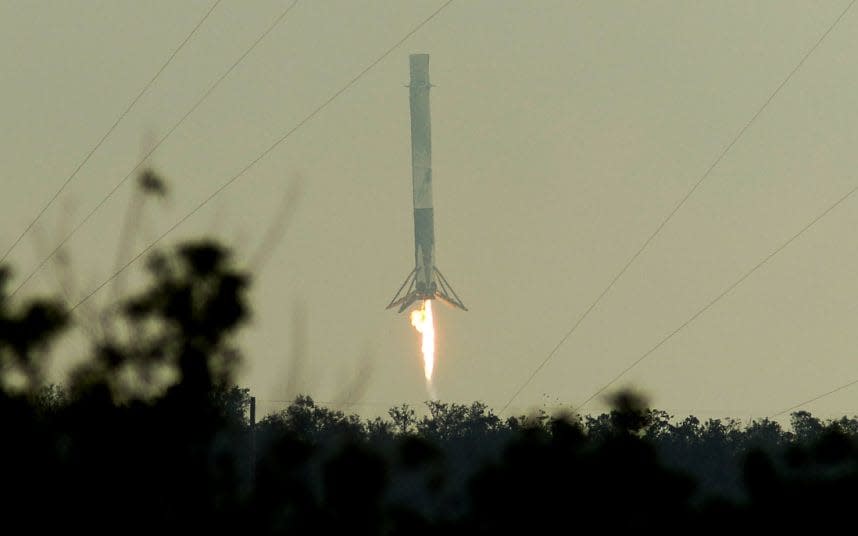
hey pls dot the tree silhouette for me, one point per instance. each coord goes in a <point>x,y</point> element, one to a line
<point>151,434</point>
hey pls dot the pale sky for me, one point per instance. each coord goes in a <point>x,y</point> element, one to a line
<point>563,134</point>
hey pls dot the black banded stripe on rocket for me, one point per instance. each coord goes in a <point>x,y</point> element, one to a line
<point>424,249</point>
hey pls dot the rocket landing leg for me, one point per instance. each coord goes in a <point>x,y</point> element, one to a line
<point>443,292</point>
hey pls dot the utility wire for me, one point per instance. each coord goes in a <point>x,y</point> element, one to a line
<point>196,105</point>
<point>678,206</point>
<point>818,397</point>
<point>109,131</point>
<point>265,153</point>
<point>718,298</point>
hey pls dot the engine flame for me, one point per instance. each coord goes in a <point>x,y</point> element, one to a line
<point>422,320</point>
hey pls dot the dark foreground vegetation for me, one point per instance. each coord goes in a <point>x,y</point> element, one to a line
<point>150,436</point>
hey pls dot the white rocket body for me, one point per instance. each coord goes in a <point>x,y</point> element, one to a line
<point>425,282</point>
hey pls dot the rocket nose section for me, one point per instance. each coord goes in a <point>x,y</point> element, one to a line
<point>419,69</point>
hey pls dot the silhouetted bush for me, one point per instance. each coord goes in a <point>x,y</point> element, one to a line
<point>151,435</point>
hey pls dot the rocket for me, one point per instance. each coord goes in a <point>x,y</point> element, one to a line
<point>425,282</point>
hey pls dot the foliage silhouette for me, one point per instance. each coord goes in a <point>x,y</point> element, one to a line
<point>151,434</point>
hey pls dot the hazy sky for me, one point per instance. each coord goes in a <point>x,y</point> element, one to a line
<point>563,133</point>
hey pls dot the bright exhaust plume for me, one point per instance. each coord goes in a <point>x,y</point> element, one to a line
<point>422,320</point>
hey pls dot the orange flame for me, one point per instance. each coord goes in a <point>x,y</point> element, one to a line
<point>422,320</point>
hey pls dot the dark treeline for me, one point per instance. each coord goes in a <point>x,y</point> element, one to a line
<point>149,434</point>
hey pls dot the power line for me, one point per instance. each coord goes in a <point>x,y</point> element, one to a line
<point>678,206</point>
<point>718,298</point>
<point>265,153</point>
<point>118,185</point>
<point>109,131</point>
<point>818,397</point>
